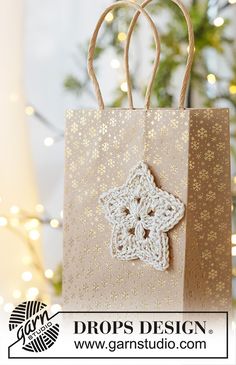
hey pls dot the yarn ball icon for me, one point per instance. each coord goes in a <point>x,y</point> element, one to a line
<point>33,326</point>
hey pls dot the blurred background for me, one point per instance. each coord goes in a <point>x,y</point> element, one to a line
<point>43,73</point>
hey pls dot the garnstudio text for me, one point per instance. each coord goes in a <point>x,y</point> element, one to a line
<point>31,328</point>
<point>143,327</point>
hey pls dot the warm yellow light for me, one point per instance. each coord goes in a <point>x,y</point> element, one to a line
<point>48,273</point>
<point>109,17</point>
<point>39,208</point>
<point>14,209</point>
<point>16,294</point>
<point>234,251</point>
<point>211,78</point>
<point>1,300</point>
<point>8,307</point>
<point>14,222</point>
<point>3,221</point>
<point>219,21</point>
<point>31,224</point>
<point>232,1</point>
<point>232,89</point>
<point>48,141</point>
<point>233,239</point>
<point>122,36</point>
<point>26,260</point>
<point>55,308</point>
<point>124,87</point>
<point>54,223</point>
<point>26,276</point>
<point>29,110</point>
<point>115,63</point>
<point>234,179</point>
<point>34,235</point>
<point>32,293</point>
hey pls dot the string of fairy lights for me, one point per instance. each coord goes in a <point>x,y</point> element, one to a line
<point>28,225</point>
<point>218,21</point>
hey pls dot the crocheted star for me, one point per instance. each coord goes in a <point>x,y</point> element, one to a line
<point>141,215</point>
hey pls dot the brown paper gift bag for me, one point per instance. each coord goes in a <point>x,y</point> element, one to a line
<point>147,212</point>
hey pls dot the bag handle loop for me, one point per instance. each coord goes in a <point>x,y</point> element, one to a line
<point>92,46</point>
<point>190,58</point>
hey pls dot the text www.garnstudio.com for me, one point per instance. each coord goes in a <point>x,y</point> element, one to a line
<point>161,328</point>
<point>161,344</point>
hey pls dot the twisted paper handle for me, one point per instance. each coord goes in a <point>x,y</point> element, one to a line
<point>190,53</point>
<point>92,46</point>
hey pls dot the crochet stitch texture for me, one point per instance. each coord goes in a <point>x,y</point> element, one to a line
<point>141,214</point>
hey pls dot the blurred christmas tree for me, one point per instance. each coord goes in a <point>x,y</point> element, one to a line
<point>211,41</point>
<point>209,87</point>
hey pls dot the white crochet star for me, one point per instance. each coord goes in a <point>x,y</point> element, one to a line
<point>141,214</point>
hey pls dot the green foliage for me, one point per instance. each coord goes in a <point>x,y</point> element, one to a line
<point>71,83</point>
<point>174,49</point>
<point>174,42</point>
<point>56,281</point>
<point>174,53</point>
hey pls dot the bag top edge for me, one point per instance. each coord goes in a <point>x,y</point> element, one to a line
<point>140,109</point>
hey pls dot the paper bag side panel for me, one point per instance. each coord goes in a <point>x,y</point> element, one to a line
<point>208,250</point>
